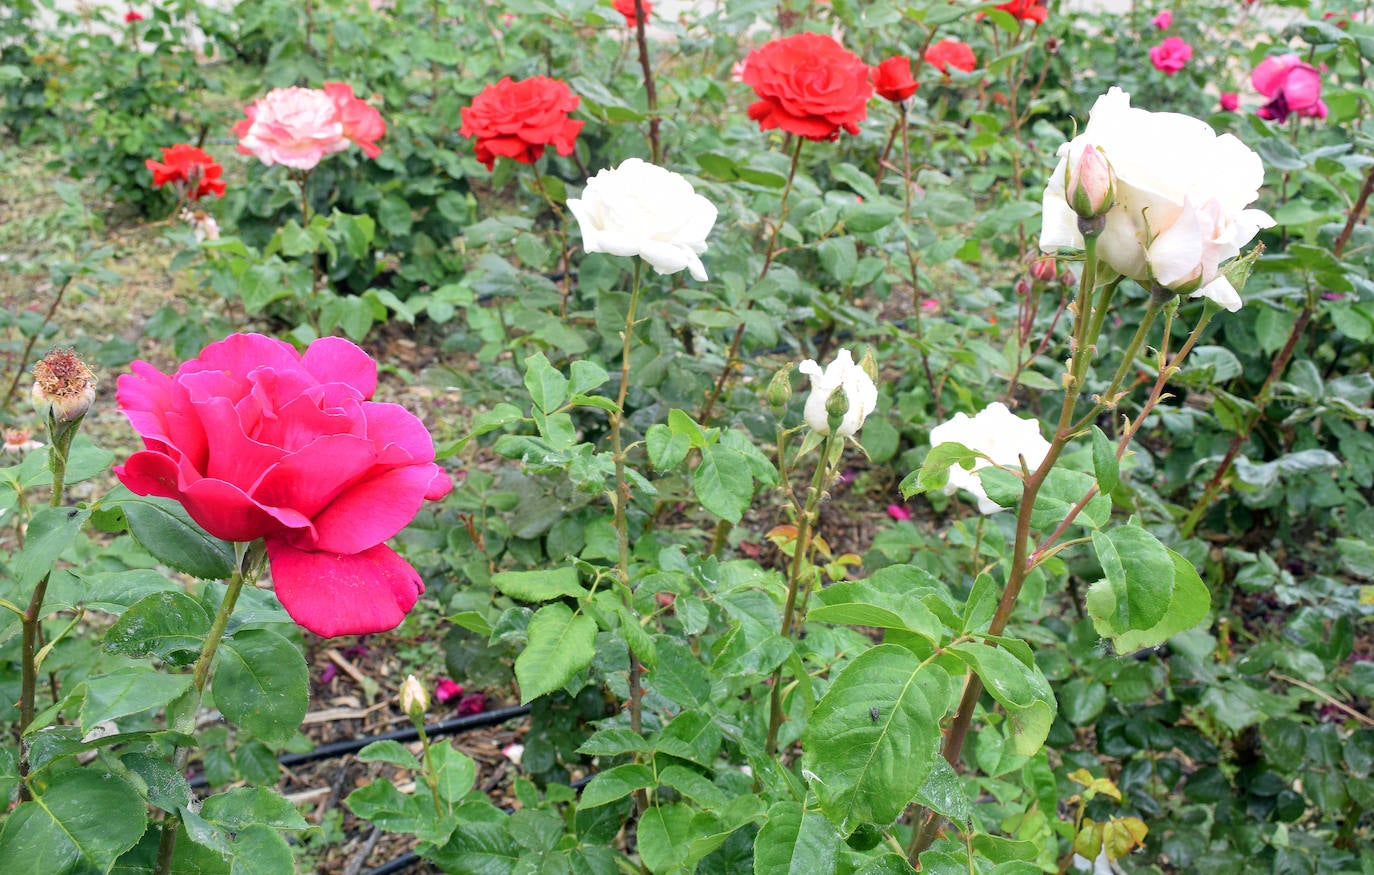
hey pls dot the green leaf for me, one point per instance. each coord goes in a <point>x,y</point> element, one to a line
<point>1189,603</point>
<point>539,586</point>
<point>478,848</point>
<point>681,422</point>
<point>585,376</point>
<point>839,256</point>
<point>169,625</point>
<point>394,811</point>
<point>888,600</point>
<point>1104,462</point>
<point>663,836</point>
<point>1019,687</point>
<point>934,471</point>
<point>680,675</point>
<point>560,645</point>
<point>665,447</point>
<point>615,783</point>
<point>128,691</point>
<point>1139,579</point>
<point>78,822</point>
<point>547,387</point>
<point>723,483</point>
<point>944,792</point>
<point>693,785</point>
<point>237,809</point>
<point>873,737</point>
<point>795,841</point>
<point>454,771</point>
<point>261,684</point>
<point>389,751</point>
<point>163,528</point>
<point>51,531</point>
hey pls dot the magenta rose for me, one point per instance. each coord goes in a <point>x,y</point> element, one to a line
<point>1293,86</point>
<point>258,441</point>
<point>1171,55</point>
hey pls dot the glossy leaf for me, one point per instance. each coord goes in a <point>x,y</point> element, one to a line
<point>163,528</point>
<point>560,645</point>
<point>78,822</point>
<point>261,684</point>
<point>1019,687</point>
<point>1139,579</point>
<point>795,841</point>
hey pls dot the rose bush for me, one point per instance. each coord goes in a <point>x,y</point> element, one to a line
<point>256,440</point>
<point>808,85</point>
<point>1182,198</point>
<point>518,119</point>
<point>189,169</point>
<point>642,209</point>
<point>1292,86</point>
<point>892,79</point>
<point>1000,435</point>
<point>841,375</point>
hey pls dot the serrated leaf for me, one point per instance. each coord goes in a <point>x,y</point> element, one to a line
<point>723,482</point>
<point>540,585</point>
<point>50,532</point>
<point>1189,603</point>
<point>169,625</point>
<point>547,387</point>
<point>388,751</point>
<point>795,841</point>
<point>163,528</point>
<point>261,684</point>
<point>1105,466</point>
<point>560,645</point>
<point>615,783</point>
<point>865,768</point>
<point>128,691</point>
<point>1018,687</point>
<point>80,821</point>
<point>1139,579</point>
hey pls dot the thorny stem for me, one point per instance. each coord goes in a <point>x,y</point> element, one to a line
<point>621,499</point>
<point>32,619</point>
<point>801,548</point>
<point>200,676</point>
<point>973,688</point>
<point>650,91</point>
<point>914,260</point>
<point>733,352</point>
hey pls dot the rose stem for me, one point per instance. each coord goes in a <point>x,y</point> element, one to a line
<point>733,352</point>
<point>650,92</point>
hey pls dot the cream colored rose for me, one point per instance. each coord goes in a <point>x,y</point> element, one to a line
<point>1000,435</point>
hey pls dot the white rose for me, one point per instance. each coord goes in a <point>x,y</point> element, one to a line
<point>844,375</point>
<point>1182,194</point>
<point>642,209</point>
<point>1000,435</point>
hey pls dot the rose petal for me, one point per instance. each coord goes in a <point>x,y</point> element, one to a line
<point>335,360</point>
<point>373,510</point>
<point>343,594</point>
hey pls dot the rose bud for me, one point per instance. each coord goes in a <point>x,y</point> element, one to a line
<point>414,698</point>
<point>780,389</point>
<point>1090,185</point>
<point>63,387</point>
<point>1044,269</point>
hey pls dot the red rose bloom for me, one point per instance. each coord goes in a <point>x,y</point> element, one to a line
<point>256,440</point>
<point>892,79</point>
<point>190,168</point>
<point>627,9</point>
<point>518,119</point>
<point>951,53</point>
<point>362,124</point>
<point>808,85</point>
<point>132,15</point>
<point>1025,10</point>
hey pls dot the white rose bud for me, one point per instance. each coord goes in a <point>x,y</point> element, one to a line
<point>643,209</point>
<point>414,698</point>
<point>1090,186</point>
<point>1000,435</point>
<point>842,375</point>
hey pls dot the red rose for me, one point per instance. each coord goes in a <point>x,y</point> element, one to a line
<point>188,168</point>
<point>362,124</point>
<point>1025,10</point>
<point>892,79</point>
<point>256,440</point>
<point>627,9</point>
<point>132,15</point>
<point>808,85</point>
<point>951,53</point>
<point>518,119</point>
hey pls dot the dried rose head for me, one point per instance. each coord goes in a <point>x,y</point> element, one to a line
<point>19,441</point>
<point>62,385</point>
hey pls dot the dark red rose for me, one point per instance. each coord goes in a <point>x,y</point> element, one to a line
<point>518,119</point>
<point>951,53</point>
<point>892,79</point>
<point>190,168</point>
<point>808,85</point>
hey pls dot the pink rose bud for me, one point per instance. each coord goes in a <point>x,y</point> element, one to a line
<point>897,512</point>
<point>1044,269</point>
<point>1230,101</point>
<point>1090,187</point>
<point>1163,20</point>
<point>1023,287</point>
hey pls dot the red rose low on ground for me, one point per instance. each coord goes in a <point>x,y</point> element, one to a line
<point>256,440</point>
<point>192,171</point>
<point>951,53</point>
<point>518,119</point>
<point>892,79</point>
<point>627,9</point>
<point>808,85</point>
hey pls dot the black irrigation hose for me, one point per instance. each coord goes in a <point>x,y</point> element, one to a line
<point>341,748</point>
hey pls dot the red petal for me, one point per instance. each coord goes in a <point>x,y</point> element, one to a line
<point>343,594</point>
<point>335,360</point>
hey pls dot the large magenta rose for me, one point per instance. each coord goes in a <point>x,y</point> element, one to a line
<point>258,441</point>
<point>808,85</point>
